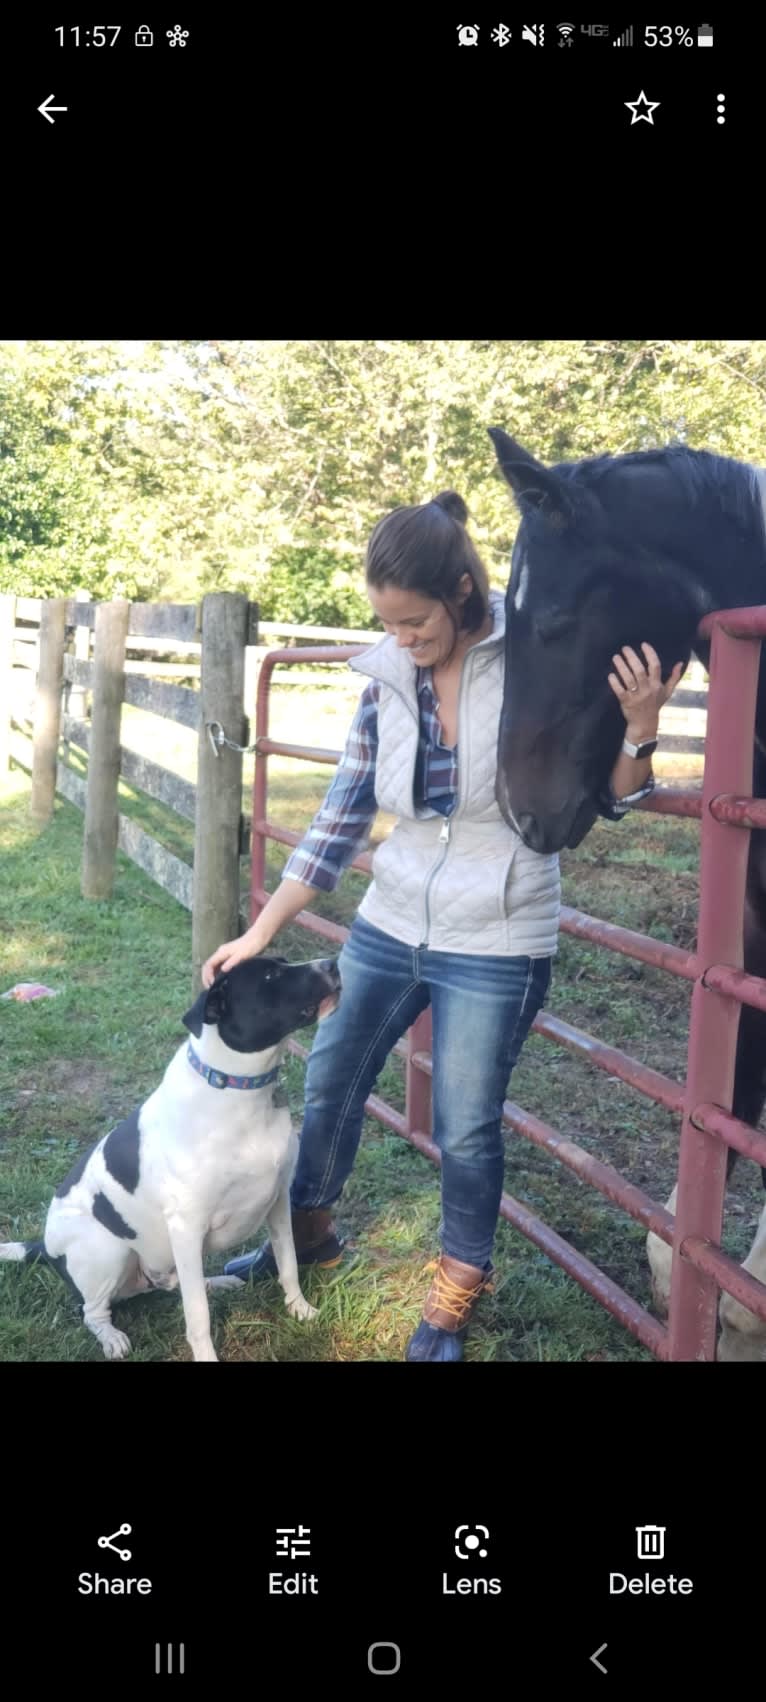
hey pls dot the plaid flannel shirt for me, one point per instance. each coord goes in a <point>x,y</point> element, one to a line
<point>341,826</point>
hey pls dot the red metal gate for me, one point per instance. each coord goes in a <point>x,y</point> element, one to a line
<point>727,813</point>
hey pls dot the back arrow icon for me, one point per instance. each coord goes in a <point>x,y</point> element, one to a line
<point>596,1661</point>
<point>46,109</point>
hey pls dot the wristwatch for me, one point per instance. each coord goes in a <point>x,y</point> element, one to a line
<point>638,751</point>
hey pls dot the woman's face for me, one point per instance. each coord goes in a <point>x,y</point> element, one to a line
<point>420,625</point>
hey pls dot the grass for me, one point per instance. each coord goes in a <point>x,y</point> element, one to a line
<point>72,1066</point>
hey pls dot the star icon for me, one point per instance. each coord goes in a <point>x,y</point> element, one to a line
<point>648,106</point>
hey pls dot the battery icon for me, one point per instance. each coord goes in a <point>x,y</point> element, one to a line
<point>705,35</point>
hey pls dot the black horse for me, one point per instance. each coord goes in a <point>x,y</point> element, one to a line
<point>616,551</point>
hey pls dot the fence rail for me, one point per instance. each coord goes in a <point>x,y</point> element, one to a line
<point>175,628</point>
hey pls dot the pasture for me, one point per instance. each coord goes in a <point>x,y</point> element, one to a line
<point>72,1066</point>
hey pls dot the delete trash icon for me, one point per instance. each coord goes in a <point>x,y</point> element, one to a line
<point>651,1541</point>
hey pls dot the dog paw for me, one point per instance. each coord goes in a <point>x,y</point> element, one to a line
<point>224,1282</point>
<point>299,1308</point>
<point>205,1352</point>
<point>114,1343</point>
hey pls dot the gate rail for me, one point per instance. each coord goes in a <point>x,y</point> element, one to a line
<point>727,813</point>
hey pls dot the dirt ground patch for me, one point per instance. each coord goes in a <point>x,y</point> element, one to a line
<point>71,1089</point>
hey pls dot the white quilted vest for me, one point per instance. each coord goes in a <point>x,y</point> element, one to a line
<point>466,883</point>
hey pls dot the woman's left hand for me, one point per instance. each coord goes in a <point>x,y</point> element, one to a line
<point>640,691</point>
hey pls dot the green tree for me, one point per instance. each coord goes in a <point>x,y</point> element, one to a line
<point>165,469</point>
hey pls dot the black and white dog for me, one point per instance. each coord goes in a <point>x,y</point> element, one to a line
<point>199,1166</point>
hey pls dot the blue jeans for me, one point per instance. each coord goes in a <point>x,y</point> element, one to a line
<point>482,1010</point>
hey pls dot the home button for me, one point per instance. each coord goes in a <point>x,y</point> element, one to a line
<point>384,1658</point>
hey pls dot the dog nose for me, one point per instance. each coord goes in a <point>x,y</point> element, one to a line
<point>329,966</point>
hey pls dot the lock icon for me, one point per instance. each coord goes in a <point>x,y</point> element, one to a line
<point>144,37</point>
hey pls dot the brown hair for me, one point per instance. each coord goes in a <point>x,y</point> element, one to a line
<point>427,549</point>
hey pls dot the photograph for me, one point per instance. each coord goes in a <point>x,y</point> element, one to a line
<point>381,970</point>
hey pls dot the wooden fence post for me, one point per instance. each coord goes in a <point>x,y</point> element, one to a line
<point>47,714</point>
<point>215,903</point>
<point>7,627</point>
<point>101,806</point>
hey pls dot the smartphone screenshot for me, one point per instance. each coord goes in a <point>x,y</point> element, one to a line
<point>382,940</point>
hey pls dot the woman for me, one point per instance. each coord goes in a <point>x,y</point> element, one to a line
<point>460,914</point>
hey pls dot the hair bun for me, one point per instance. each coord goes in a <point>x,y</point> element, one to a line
<point>453,505</point>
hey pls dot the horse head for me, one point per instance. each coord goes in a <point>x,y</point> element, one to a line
<point>582,585</point>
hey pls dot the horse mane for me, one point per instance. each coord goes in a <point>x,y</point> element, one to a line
<point>698,474</point>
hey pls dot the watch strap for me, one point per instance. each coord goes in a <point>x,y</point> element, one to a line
<point>646,748</point>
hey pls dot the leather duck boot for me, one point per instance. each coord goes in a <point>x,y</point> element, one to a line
<point>316,1243</point>
<point>451,1300</point>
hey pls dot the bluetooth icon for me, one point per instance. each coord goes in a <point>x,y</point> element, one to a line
<point>501,34</point>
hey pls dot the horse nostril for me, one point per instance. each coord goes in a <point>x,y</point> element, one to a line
<point>530,832</point>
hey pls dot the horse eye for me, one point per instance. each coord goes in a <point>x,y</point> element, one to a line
<point>554,627</point>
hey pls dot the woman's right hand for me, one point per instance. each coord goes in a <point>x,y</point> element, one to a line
<point>227,957</point>
<point>289,899</point>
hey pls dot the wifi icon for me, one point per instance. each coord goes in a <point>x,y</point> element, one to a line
<point>565,29</point>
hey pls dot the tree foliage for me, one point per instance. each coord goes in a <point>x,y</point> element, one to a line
<point>165,469</point>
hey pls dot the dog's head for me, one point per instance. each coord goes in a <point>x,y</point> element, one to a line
<point>265,999</point>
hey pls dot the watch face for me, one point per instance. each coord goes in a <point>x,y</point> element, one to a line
<point>644,749</point>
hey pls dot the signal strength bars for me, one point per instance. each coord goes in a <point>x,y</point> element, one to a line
<point>626,39</point>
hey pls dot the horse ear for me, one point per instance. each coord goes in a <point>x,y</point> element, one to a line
<point>533,485</point>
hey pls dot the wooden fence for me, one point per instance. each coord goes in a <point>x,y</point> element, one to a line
<point>75,657</point>
<point>67,667</point>
<point>72,649</point>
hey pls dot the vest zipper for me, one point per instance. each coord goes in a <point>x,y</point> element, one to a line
<point>444,836</point>
<point>443,840</point>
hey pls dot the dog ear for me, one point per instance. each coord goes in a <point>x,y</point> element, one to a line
<point>195,1017</point>
<point>210,1006</point>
